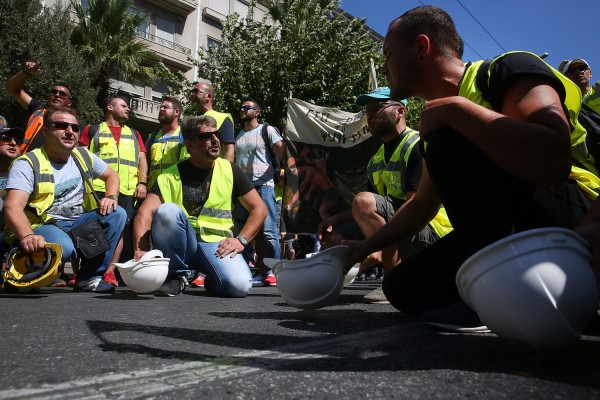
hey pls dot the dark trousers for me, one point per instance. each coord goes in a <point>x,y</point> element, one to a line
<point>484,204</point>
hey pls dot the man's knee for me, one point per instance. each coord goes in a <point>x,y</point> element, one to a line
<point>363,202</point>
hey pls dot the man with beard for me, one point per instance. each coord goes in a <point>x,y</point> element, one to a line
<point>188,216</point>
<point>60,95</point>
<point>45,198</point>
<point>122,148</point>
<point>166,147</point>
<point>202,97</point>
<point>394,173</point>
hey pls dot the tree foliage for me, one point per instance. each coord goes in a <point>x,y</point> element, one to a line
<point>32,32</point>
<point>307,49</point>
<point>105,35</point>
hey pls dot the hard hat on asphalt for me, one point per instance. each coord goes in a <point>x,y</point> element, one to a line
<point>535,287</point>
<point>312,282</point>
<point>33,270</point>
<point>147,274</point>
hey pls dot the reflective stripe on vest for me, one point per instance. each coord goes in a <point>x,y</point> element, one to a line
<point>34,125</point>
<point>572,104</point>
<point>123,158</point>
<point>388,178</point>
<point>215,221</point>
<point>164,153</point>
<point>43,183</point>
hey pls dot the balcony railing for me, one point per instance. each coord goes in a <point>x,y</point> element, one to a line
<point>163,42</point>
<point>145,108</point>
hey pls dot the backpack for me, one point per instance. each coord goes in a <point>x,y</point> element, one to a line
<point>275,161</point>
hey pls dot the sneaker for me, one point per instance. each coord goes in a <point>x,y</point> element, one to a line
<point>270,280</point>
<point>257,280</point>
<point>72,281</point>
<point>376,297</point>
<point>58,283</point>
<point>172,287</point>
<point>96,285</point>
<point>199,281</point>
<point>457,317</point>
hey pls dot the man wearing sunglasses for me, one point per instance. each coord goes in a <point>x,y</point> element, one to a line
<point>393,176</point>
<point>188,216</point>
<point>47,197</point>
<point>202,96</point>
<point>10,139</point>
<point>60,95</point>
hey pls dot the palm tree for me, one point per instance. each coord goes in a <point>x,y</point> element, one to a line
<point>105,35</point>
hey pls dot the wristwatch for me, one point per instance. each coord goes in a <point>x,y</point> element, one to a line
<point>111,196</point>
<point>243,240</point>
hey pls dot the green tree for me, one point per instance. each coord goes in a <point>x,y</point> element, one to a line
<point>32,32</point>
<point>105,35</point>
<point>308,49</point>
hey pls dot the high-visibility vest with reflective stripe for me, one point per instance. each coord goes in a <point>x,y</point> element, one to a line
<point>215,221</point>
<point>34,125</point>
<point>42,196</point>
<point>123,158</point>
<point>387,178</point>
<point>164,153</point>
<point>592,98</point>
<point>470,89</point>
<point>219,117</point>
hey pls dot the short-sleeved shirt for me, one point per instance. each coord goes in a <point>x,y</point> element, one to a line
<point>226,132</point>
<point>85,139</point>
<point>251,154</point>
<point>69,190</point>
<point>196,184</point>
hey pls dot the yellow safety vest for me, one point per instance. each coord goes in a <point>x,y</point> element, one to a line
<point>164,153</point>
<point>123,158</point>
<point>215,221</point>
<point>592,98</point>
<point>387,177</point>
<point>219,117</point>
<point>470,88</point>
<point>42,196</point>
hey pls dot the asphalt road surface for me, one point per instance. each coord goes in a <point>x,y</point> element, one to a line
<point>63,345</point>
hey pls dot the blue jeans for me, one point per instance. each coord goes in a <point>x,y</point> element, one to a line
<point>270,231</point>
<point>112,225</point>
<point>175,237</point>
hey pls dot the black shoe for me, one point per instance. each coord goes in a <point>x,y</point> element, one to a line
<point>457,317</point>
<point>172,287</point>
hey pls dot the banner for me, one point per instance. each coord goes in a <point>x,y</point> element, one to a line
<point>328,150</point>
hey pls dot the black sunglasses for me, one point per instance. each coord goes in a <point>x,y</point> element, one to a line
<point>61,93</point>
<point>62,125</point>
<point>206,136</point>
<point>196,91</point>
<point>246,108</point>
<point>8,139</point>
<point>577,68</point>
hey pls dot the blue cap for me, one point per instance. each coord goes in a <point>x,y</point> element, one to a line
<point>382,93</point>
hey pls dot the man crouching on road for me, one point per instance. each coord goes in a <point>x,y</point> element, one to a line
<point>46,198</point>
<point>188,216</point>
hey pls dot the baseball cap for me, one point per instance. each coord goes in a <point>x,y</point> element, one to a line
<point>17,133</point>
<point>382,93</point>
<point>565,67</point>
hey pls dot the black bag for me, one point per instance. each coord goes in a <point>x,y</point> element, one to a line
<point>275,161</point>
<point>90,239</point>
<point>591,122</point>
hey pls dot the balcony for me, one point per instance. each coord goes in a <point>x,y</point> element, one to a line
<point>145,110</point>
<point>172,53</point>
<point>183,7</point>
<point>163,42</point>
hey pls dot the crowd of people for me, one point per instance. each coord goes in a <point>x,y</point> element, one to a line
<point>501,147</point>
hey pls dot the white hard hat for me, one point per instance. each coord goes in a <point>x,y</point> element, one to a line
<point>535,287</point>
<point>313,282</point>
<point>147,274</point>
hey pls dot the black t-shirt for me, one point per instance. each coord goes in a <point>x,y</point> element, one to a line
<point>196,185</point>
<point>39,140</point>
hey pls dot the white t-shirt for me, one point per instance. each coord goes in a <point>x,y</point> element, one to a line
<point>252,157</point>
<point>69,190</point>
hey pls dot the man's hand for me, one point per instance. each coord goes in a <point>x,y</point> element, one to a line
<point>32,242</point>
<point>141,191</point>
<point>229,246</point>
<point>138,254</point>
<point>356,254</point>
<point>107,206</point>
<point>32,67</point>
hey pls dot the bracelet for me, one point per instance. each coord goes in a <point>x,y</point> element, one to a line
<point>27,73</point>
<point>143,183</point>
<point>29,234</point>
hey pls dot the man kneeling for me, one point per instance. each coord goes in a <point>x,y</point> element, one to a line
<point>188,216</point>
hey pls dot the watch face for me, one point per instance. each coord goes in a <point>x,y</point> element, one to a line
<point>243,240</point>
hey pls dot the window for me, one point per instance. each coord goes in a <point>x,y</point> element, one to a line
<point>165,29</point>
<point>212,42</point>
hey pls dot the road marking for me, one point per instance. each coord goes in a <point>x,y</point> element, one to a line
<point>146,383</point>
